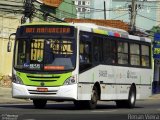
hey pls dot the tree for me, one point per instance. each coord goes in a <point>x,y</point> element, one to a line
<point>155,29</point>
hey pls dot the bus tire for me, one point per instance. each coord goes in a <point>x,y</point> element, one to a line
<point>132,97</point>
<point>130,103</point>
<point>39,103</point>
<point>91,104</point>
<point>88,104</point>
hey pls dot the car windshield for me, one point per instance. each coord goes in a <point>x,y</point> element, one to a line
<point>45,54</point>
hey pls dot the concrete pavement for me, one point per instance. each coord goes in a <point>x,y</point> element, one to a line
<point>6,96</point>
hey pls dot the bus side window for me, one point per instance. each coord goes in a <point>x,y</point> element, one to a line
<point>134,54</point>
<point>109,50</point>
<point>96,53</point>
<point>84,53</point>
<point>98,49</point>
<point>145,56</point>
<point>122,53</point>
<point>85,50</point>
<point>144,61</point>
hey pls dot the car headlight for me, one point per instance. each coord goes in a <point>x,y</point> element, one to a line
<point>17,79</point>
<point>71,80</point>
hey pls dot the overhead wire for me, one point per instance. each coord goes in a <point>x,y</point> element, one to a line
<point>120,16</point>
<point>147,18</point>
<point>96,9</point>
<point>122,8</point>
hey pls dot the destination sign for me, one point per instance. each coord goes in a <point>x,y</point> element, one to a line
<point>46,30</point>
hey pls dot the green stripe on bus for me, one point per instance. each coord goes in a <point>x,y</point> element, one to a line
<point>48,80</point>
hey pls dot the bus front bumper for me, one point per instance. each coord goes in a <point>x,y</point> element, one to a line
<point>67,92</point>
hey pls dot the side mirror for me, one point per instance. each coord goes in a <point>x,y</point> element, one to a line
<point>9,45</point>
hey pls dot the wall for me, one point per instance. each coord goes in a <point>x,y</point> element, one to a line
<point>66,10</point>
<point>8,25</point>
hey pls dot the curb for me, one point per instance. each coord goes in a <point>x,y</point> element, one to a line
<point>155,97</point>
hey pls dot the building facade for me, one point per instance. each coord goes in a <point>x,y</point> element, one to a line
<point>94,9</point>
<point>60,8</point>
<point>8,25</point>
<point>147,11</point>
<point>83,8</point>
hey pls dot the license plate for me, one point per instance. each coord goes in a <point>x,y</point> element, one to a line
<point>42,89</point>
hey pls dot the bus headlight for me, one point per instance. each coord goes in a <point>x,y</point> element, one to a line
<point>70,81</point>
<point>17,79</point>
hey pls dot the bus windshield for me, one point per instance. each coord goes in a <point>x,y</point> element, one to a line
<point>45,54</point>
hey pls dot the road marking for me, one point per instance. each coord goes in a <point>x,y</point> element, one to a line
<point>29,119</point>
<point>104,111</point>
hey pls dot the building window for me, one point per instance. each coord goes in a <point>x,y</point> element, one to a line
<point>79,9</point>
<point>82,6</point>
<point>83,10</point>
<point>83,3</point>
<point>87,2</point>
<point>88,10</point>
<point>79,3</point>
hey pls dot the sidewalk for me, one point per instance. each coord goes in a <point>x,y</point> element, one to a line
<point>6,97</point>
<point>155,96</point>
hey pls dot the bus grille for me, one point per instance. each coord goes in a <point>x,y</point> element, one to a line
<point>43,78</point>
<point>51,92</point>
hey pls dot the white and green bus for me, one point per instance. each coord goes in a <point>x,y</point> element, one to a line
<point>80,62</point>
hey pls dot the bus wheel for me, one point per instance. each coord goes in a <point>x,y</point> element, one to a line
<point>131,98</point>
<point>39,103</point>
<point>130,103</point>
<point>91,104</point>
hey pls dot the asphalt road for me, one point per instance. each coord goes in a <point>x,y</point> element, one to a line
<point>144,110</point>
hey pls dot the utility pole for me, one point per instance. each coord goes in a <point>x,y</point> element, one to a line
<point>28,11</point>
<point>105,10</point>
<point>133,11</point>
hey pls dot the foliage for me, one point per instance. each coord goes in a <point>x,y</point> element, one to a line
<point>155,29</point>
